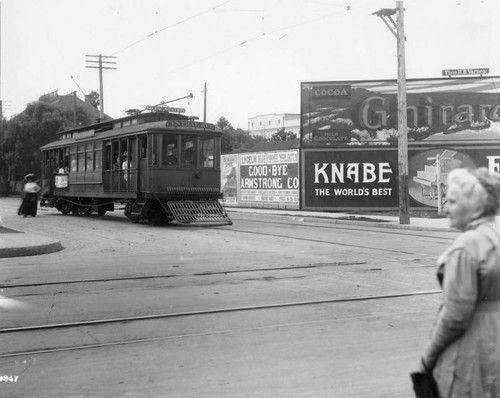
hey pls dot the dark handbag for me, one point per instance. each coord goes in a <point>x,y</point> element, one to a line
<point>424,385</point>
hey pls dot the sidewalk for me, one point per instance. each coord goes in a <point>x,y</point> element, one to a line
<point>15,243</point>
<point>369,220</point>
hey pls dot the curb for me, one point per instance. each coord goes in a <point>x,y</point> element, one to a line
<point>22,251</point>
<point>352,220</point>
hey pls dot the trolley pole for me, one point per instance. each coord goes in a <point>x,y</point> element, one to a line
<point>100,66</point>
<point>398,31</point>
<point>205,103</point>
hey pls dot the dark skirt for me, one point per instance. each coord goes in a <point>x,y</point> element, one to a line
<point>29,205</point>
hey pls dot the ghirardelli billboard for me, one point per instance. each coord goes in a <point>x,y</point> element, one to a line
<point>350,113</point>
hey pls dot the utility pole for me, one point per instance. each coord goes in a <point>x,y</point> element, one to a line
<point>100,66</point>
<point>204,103</point>
<point>398,31</point>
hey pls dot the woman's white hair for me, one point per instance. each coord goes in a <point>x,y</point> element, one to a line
<point>478,186</point>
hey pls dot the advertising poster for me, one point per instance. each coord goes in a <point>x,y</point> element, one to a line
<point>429,169</point>
<point>364,113</point>
<point>350,179</point>
<point>61,181</point>
<point>335,179</point>
<point>229,179</point>
<point>270,178</point>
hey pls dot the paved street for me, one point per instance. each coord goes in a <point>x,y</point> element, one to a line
<point>271,307</point>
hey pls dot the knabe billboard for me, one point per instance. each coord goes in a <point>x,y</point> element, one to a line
<point>347,178</point>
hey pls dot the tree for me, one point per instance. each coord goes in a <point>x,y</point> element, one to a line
<point>25,133</point>
<point>93,99</point>
<point>235,139</point>
<point>224,124</point>
<point>283,135</point>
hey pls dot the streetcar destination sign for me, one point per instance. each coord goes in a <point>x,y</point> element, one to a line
<point>473,71</point>
<point>157,108</point>
<point>189,123</point>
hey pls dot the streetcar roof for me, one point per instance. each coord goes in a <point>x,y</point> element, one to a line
<point>143,123</point>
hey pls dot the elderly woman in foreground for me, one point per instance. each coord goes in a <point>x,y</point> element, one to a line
<point>464,348</point>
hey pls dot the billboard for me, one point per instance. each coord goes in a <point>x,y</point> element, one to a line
<point>343,179</point>
<point>367,178</point>
<point>229,178</point>
<point>270,178</point>
<point>364,113</point>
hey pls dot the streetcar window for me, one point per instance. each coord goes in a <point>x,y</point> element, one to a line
<point>89,162</point>
<point>169,150</point>
<point>124,154</point>
<point>51,161</point>
<point>116,156</point>
<point>98,156</point>
<point>143,147</point>
<point>108,159</point>
<point>154,150</point>
<point>73,159</point>
<point>58,159</point>
<point>66,160</point>
<point>81,158</point>
<point>188,150</point>
<point>131,151</point>
<point>207,145</point>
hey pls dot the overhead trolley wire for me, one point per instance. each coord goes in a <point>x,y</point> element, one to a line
<point>171,26</point>
<point>259,36</point>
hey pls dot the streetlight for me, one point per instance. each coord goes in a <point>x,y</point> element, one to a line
<point>397,29</point>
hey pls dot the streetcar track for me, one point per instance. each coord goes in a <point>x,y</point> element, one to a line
<point>210,312</point>
<point>327,242</point>
<point>164,338</point>
<point>207,273</point>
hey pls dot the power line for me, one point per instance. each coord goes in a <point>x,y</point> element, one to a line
<point>171,26</point>
<point>289,27</point>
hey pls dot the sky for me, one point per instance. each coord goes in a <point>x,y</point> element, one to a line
<point>251,54</point>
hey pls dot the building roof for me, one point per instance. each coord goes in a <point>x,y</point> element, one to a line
<point>68,102</point>
<point>275,114</point>
<point>264,146</point>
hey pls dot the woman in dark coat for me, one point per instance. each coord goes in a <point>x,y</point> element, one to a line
<point>29,204</point>
<point>464,348</point>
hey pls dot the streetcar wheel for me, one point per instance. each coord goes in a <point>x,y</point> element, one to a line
<point>101,211</point>
<point>153,221</point>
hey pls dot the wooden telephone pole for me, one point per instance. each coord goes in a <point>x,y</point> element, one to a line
<point>100,66</point>
<point>397,30</point>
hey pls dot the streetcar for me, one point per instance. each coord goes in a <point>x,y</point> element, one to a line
<point>160,166</point>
